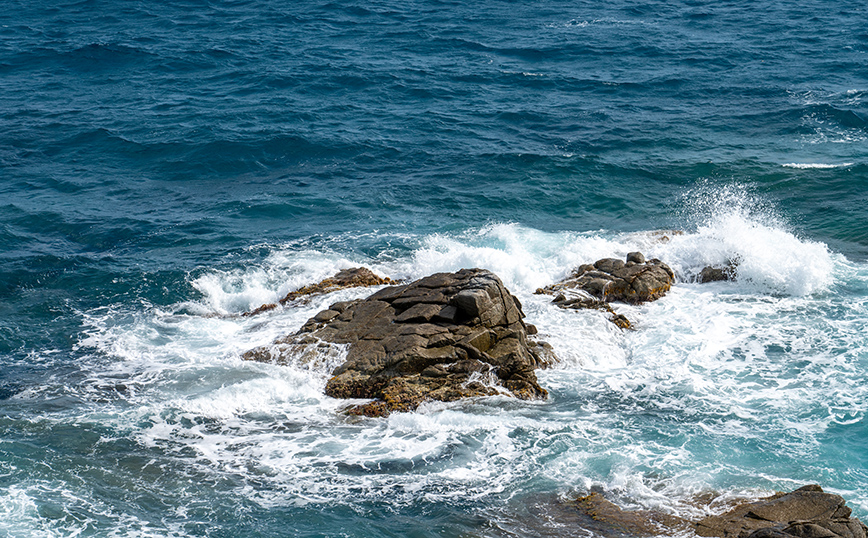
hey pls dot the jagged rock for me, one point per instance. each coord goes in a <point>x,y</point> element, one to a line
<point>347,278</point>
<point>807,512</point>
<point>444,337</point>
<point>612,279</point>
<point>607,280</point>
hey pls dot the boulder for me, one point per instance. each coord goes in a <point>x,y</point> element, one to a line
<point>444,337</point>
<point>634,281</point>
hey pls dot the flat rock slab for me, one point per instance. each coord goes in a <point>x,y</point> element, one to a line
<point>807,512</point>
<point>803,513</point>
<point>629,522</point>
<point>444,337</point>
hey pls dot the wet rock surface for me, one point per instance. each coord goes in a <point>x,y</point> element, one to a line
<point>347,278</point>
<point>807,512</point>
<point>712,273</point>
<point>444,337</point>
<point>579,300</point>
<point>633,281</point>
<point>628,522</point>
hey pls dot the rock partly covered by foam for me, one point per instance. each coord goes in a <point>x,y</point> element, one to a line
<point>629,522</point>
<point>595,286</point>
<point>355,277</point>
<point>632,281</point>
<point>444,337</point>
<point>714,273</point>
<point>807,512</point>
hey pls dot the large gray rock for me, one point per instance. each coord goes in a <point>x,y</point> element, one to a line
<point>444,337</point>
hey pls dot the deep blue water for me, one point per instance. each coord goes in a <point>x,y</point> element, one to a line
<point>168,165</point>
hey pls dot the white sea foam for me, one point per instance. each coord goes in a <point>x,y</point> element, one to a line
<point>637,413</point>
<point>236,291</point>
<point>819,166</point>
<point>734,228</point>
<point>25,512</point>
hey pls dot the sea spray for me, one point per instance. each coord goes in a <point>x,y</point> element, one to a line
<point>734,228</point>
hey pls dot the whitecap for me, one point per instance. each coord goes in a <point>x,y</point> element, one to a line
<point>815,166</point>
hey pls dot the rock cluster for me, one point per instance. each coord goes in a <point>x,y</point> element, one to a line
<point>444,337</point>
<point>807,512</point>
<point>610,279</point>
<point>595,286</point>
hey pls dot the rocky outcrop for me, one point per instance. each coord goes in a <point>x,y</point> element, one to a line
<point>444,337</point>
<point>355,277</point>
<point>807,512</point>
<point>610,279</point>
<point>634,281</point>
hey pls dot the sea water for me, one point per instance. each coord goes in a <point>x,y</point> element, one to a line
<point>167,167</point>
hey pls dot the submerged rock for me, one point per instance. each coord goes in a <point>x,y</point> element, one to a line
<point>711,273</point>
<point>578,300</point>
<point>444,337</point>
<point>629,522</point>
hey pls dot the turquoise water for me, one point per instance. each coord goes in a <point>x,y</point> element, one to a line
<point>168,167</point>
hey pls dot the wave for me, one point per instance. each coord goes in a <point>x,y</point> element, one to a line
<point>774,359</point>
<point>815,166</point>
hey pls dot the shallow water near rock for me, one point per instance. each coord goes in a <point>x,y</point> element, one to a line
<point>168,168</point>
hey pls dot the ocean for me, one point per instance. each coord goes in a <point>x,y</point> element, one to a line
<point>168,166</point>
